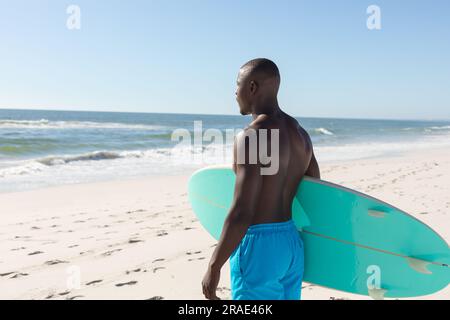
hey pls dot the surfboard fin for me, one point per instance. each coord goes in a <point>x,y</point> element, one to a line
<point>419,265</point>
<point>377,294</point>
<point>376,213</point>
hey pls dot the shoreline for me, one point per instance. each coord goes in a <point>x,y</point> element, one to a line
<point>139,239</point>
<point>399,156</point>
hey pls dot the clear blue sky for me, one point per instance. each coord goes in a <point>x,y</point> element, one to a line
<point>183,56</point>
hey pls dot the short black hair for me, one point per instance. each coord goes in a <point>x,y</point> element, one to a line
<point>264,66</point>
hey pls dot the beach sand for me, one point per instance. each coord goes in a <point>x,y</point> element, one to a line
<point>139,239</point>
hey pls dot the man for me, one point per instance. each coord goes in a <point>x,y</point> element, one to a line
<point>259,236</point>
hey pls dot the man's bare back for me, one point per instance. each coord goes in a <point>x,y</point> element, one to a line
<point>295,155</point>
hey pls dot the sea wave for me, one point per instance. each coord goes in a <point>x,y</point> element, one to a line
<point>40,164</point>
<point>103,155</point>
<point>47,124</point>
<point>439,128</point>
<point>323,131</point>
<point>184,155</point>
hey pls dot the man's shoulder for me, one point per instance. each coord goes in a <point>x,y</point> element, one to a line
<point>261,122</point>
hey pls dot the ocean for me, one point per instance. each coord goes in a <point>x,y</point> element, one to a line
<point>46,148</point>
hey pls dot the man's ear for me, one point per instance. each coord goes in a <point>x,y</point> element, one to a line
<point>253,86</point>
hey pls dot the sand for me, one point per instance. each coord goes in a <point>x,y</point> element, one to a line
<point>139,239</point>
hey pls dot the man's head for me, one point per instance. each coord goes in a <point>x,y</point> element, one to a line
<point>257,84</point>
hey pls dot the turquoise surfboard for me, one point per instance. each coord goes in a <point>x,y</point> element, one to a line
<point>353,242</point>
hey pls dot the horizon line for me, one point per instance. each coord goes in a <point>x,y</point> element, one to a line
<point>220,114</point>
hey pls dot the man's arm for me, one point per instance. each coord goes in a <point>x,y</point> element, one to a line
<point>246,193</point>
<point>313,169</point>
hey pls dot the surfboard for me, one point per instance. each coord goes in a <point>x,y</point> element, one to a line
<point>353,242</point>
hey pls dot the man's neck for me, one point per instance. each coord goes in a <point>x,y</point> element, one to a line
<point>267,110</point>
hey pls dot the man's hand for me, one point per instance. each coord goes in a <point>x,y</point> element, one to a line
<point>210,283</point>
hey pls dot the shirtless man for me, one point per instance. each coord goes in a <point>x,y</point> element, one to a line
<point>259,236</point>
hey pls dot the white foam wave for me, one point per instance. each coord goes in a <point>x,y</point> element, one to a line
<point>26,168</point>
<point>47,124</point>
<point>323,131</point>
<point>439,128</point>
<point>177,156</point>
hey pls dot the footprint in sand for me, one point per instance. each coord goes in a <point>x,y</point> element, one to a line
<point>64,293</point>
<point>135,240</point>
<point>135,270</point>
<point>161,233</point>
<point>139,210</point>
<point>108,253</point>
<point>158,260</point>
<point>73,246</point>
<point>93,282</point>
<point>16,249</point>
<point>201,258</point>
<point>129,283</point>
<point>74,297</point>
<point>157,268</point>
<point>156,298</point>
<point>53,262</point>
<point>35,253</point>
<point>35,228</point>
<point>16,275</point>
<point>196,252</point>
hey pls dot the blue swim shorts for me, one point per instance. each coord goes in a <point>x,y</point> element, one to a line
<point>268,263</point>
